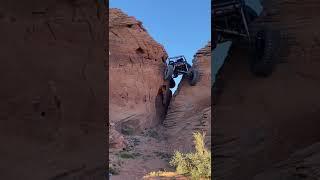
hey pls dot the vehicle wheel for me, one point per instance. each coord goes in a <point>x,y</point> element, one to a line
<point>172,83</point>
<point>265,52</point>
<point>193,77</point>
<point>168,72</point>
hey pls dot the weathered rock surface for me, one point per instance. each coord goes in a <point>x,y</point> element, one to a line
<point>301,165</point>
<point>190,107</point>
<point>153,149</point>
<point>116,139</point>
<point>260,121</point>
<point>52,97</point>
<point>137,92</point>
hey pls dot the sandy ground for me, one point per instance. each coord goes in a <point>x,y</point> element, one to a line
<point>145,153</point>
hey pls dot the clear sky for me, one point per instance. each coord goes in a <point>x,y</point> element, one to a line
<point>181,26</point>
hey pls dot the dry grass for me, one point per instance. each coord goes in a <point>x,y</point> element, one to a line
<point>195,165</point>
<point>164,174</point>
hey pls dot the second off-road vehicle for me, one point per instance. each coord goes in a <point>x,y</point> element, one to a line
<point>232,20</point>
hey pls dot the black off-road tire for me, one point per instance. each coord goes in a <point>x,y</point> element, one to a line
<point>168,72</point>
<point>172,83</point>
<point>265,52</point>
<point>193,77</point>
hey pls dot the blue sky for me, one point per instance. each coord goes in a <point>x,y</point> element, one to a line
<point>182,27</point>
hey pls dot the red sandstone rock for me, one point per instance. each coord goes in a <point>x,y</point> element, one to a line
<point>116,140</point>
<point>260,121</point>
<point>302,164</point>
<point>190,108</point>
<point>138,97</point>
<point>53,90</point>
<point>136,64</point>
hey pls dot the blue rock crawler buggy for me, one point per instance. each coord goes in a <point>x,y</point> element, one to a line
<point>231,20</point>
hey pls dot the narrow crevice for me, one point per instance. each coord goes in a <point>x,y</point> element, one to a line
<point>140,51</point>
<point>51,31</point>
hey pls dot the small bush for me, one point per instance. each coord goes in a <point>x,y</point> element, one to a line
<point>113,170</point>
<point>197,164</point>
<point>152,133</point>
<point>127,130</point>
<point>162,155</point>
<point>128,155</point>
<point>172,175</point>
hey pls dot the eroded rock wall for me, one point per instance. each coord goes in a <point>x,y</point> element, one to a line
<point>138,95</point>
<point>52,97</point>
<point>260,121</point>
<point>301,164</point>
<point>190,108</point>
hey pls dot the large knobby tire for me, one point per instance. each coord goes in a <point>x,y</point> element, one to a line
<point>172,83</point>
<point>265,52</point>
<point>168,72</point>
<point>193,77</point>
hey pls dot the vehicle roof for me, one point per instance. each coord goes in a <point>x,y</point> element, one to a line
<point>255,5</point>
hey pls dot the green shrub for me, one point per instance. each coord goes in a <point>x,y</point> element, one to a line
<point>128,155</point>
<point>197,164</point>
<point>152,133</point>
<point>127,130</point>
<point>113,170</point>
<point>171,175</point>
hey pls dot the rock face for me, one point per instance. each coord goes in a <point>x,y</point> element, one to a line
<point>190,108</point>
<point>260,121</point>
<point>116,140</point>
<point>302,164</point>
<point>138,95</point>
<point>52,97</point>
<point>139,100</point>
